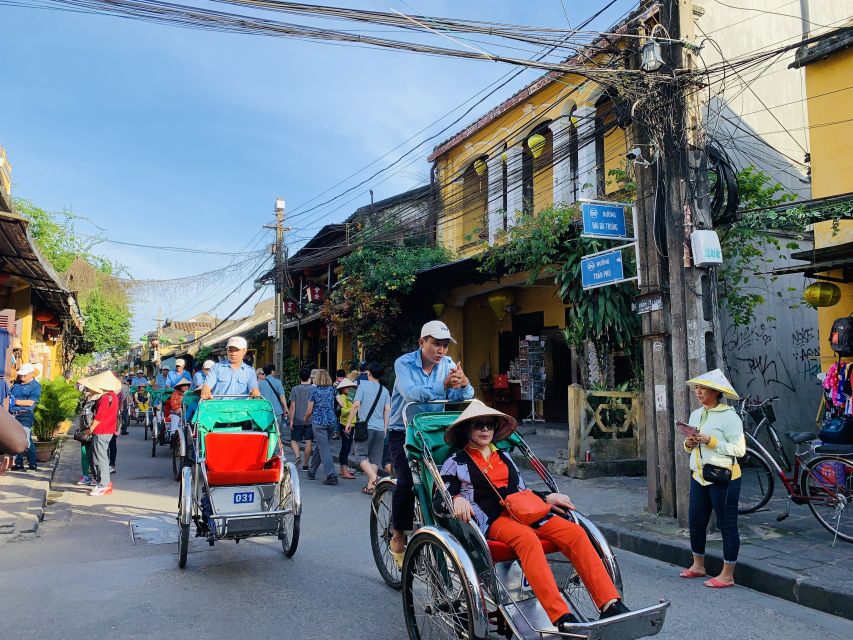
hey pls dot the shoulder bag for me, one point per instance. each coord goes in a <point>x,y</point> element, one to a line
<point>523,506</point>
<point>711,472</point>
<point>360,431</point>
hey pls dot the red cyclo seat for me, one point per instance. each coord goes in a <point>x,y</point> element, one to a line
<point>240,458</point>
<point>502,552</point>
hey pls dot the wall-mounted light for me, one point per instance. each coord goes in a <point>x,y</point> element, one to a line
<point>499,301</point>
<point>480,166</point>
<point>652,60</point>
<point>536,144</point>
<point>438,307</point>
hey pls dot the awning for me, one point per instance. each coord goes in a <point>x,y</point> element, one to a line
<point>309,318</point>
<point>821,260</point>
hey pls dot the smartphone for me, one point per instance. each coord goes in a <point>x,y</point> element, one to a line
<point>686,429</point>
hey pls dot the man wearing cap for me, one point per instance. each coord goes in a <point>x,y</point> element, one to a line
<point>161,380</point>
<point>423,375</point>
<point>178,374</point>
<point>232,378</point>
<point>201,374</point>
<point>139,379</point>
<point>23,399</point>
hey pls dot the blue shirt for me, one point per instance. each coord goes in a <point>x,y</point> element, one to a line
<point>136,381</point>
<point>4,390</point>
<point>25,391</point>
<point>162,381</point>
<point>174,377</point>
<point>366,395</point>
<point>224,380</point>
<point>198,379</point>
<point>324,406</point>
<point>272,390</point>
<point>414,385</point>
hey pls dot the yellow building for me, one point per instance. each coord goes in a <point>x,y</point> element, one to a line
<point>553,143</point>
<point>828,67</point>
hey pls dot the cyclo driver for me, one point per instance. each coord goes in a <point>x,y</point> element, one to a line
<point>142,398</point>
<point>232,378</point>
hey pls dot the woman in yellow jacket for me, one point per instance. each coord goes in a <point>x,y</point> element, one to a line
<point>719,441</point>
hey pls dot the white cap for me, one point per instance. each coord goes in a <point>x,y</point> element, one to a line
<point>180,362</point>
<point>207,364</point>
<point>237,341</point>
<point>26,369</point>
<point>163,367</point>
<point>438,330</point>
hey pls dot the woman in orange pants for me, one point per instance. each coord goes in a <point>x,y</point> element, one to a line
<point>479,476</point>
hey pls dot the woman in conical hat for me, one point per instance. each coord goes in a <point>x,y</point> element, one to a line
<point>717,442</point>
<point>479,477</point>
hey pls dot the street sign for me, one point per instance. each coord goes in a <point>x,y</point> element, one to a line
<point>271,329</point>
<point>648,304</point>
<point>602,269</point>
<point>604,220</point>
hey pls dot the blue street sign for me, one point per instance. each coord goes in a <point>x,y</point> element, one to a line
<point>600,269</point>
<point>606,220</point>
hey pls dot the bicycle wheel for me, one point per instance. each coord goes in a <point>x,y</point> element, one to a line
<point>828,484</point>
<point>288,487</point>
<point>757,481</point>
<point>380,534</point>
<point>178,461</point>
<point>145,432</point>
<point>153,440</point>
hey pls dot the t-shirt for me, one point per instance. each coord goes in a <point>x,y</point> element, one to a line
<point>26,391</point>
<point>366,394</point>
<point>106,413</point>
<point>300,394</point>
<point>324,406</point>
<point>271,389</point>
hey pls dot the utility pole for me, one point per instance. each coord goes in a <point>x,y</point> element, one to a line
<point>279,285</point>
<point>680,339</point>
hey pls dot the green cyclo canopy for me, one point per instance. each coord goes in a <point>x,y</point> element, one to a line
<point>222,413</point>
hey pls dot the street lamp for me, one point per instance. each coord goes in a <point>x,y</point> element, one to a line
<point>652,58</point>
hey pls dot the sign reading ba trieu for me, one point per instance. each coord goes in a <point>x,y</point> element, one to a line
<point>602,269</point>
<point>603,219</point>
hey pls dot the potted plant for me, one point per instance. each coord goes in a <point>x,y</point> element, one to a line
<point>59,400</point>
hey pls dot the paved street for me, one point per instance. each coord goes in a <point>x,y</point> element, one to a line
<point>84,574</point>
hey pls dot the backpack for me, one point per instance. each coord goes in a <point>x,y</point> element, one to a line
<point>837,430</point>
<point>841,336</point>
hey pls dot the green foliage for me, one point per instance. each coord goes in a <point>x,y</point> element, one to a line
<point>549,244</point>
<point>59,399</point>
<point>366,301</point>
<point>107,328</point>
<point>290,373</point>
<point>747,242</point>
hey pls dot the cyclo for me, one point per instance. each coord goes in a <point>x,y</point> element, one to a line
<point>159,421</point>
<point>458,584</point>
<point>237,483</point>
<point>141,416</point>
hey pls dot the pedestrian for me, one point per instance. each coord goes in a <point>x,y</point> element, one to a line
<point>23,398</point>
<point>715,474</point>
<point>425,374</point>
<point>372,404</point>
<point>87,415</point>
<point>272,389</point>
<point>340,374</point>
<point>103,427</point>
<point>483,481</point>
<point>362,371</point>
<point>233,377</point>
<point>344,391</point>
<point>321,415</point>
<point>300,430</point>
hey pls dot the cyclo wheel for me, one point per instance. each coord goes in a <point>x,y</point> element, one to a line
<point>437,599</point>
<point>289,522</point>
<point>380,534</point>
<point>178,460</point>
<point>757,481</point>
<point>828,483</point>
<point>153,440</point>
<point>183,529</point>
<point>145,431</point>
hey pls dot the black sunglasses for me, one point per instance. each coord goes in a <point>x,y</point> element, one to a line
<point>483,426</point>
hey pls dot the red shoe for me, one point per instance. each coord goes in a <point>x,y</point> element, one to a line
<point>713,583</point>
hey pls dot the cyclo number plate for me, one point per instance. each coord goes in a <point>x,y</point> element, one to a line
<point>244,497</point>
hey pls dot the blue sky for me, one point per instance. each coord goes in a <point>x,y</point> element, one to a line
<point>177,137</point>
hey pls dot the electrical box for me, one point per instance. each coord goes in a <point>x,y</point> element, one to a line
<point>706,248</point>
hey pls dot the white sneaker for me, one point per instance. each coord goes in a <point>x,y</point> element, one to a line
<point>112,468</point>
<point>101,491</point>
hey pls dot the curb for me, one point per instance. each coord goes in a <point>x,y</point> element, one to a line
<point>804,590</point>
<point>28,521</point>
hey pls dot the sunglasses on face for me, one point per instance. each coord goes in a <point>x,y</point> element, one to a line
<point>482,426</point>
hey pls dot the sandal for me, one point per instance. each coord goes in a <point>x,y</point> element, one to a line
<point>713,583</point>
<point>368,491</point>
<point>688,573</point>
<point>298,461</point>
<point>398,558</point>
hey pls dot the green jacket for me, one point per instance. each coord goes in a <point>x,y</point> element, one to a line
<point>725,428</point>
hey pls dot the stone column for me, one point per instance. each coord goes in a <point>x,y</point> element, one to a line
<point>514,200</point>
<point>563,191</point>
<point>496,195</point>
<point>587,187</point>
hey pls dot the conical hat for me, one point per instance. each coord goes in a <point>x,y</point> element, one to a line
<point>715,380</point>
<point>506,424</point>
<point>102,382</point>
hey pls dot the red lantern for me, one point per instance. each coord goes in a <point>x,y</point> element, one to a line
<point>315,293</point>
<point>43,316</point>
<point>51,324</point>
<point>4,278</point>
<point>290,308</point>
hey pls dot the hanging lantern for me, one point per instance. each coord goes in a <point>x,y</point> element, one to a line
<point>499,301</point>
<point>438,307</point>
<point>652,58</point>
<point>315,293</point>
<point>43,316</point>
<point>4,278</point>
<point>480,166</point>
<point>822,294</point>
<point>536,144</point>
<point>290,308</point>
<point>504,157</point>
<point>51,324</point>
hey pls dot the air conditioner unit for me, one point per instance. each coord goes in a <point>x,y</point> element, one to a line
<point>706,248</point>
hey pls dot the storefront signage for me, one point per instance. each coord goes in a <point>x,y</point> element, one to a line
<point>602,269</point>
<point>604,220</point>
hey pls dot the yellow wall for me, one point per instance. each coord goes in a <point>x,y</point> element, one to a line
<point>827,315</point>
<point>832,160</point>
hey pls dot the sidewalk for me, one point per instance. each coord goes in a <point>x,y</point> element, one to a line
<point>23,495</point>
<point>793,559</point>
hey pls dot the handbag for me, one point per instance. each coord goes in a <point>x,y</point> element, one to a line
<point>360,433</point>
<point>81,436</point>
<point>522,506</point>
<point>711,472</point>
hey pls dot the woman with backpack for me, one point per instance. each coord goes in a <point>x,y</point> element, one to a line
<point>103,426</point>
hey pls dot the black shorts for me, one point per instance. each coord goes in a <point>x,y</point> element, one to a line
<point>302,432</point>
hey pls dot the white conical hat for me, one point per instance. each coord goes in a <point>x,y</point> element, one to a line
<point>506,424</point>
<point>101,383</point>
<point>715,380</point>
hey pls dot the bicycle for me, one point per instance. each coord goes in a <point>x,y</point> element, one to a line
<point>821,477</point>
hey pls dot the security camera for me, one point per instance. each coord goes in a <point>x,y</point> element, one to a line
<point>634,153</point>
